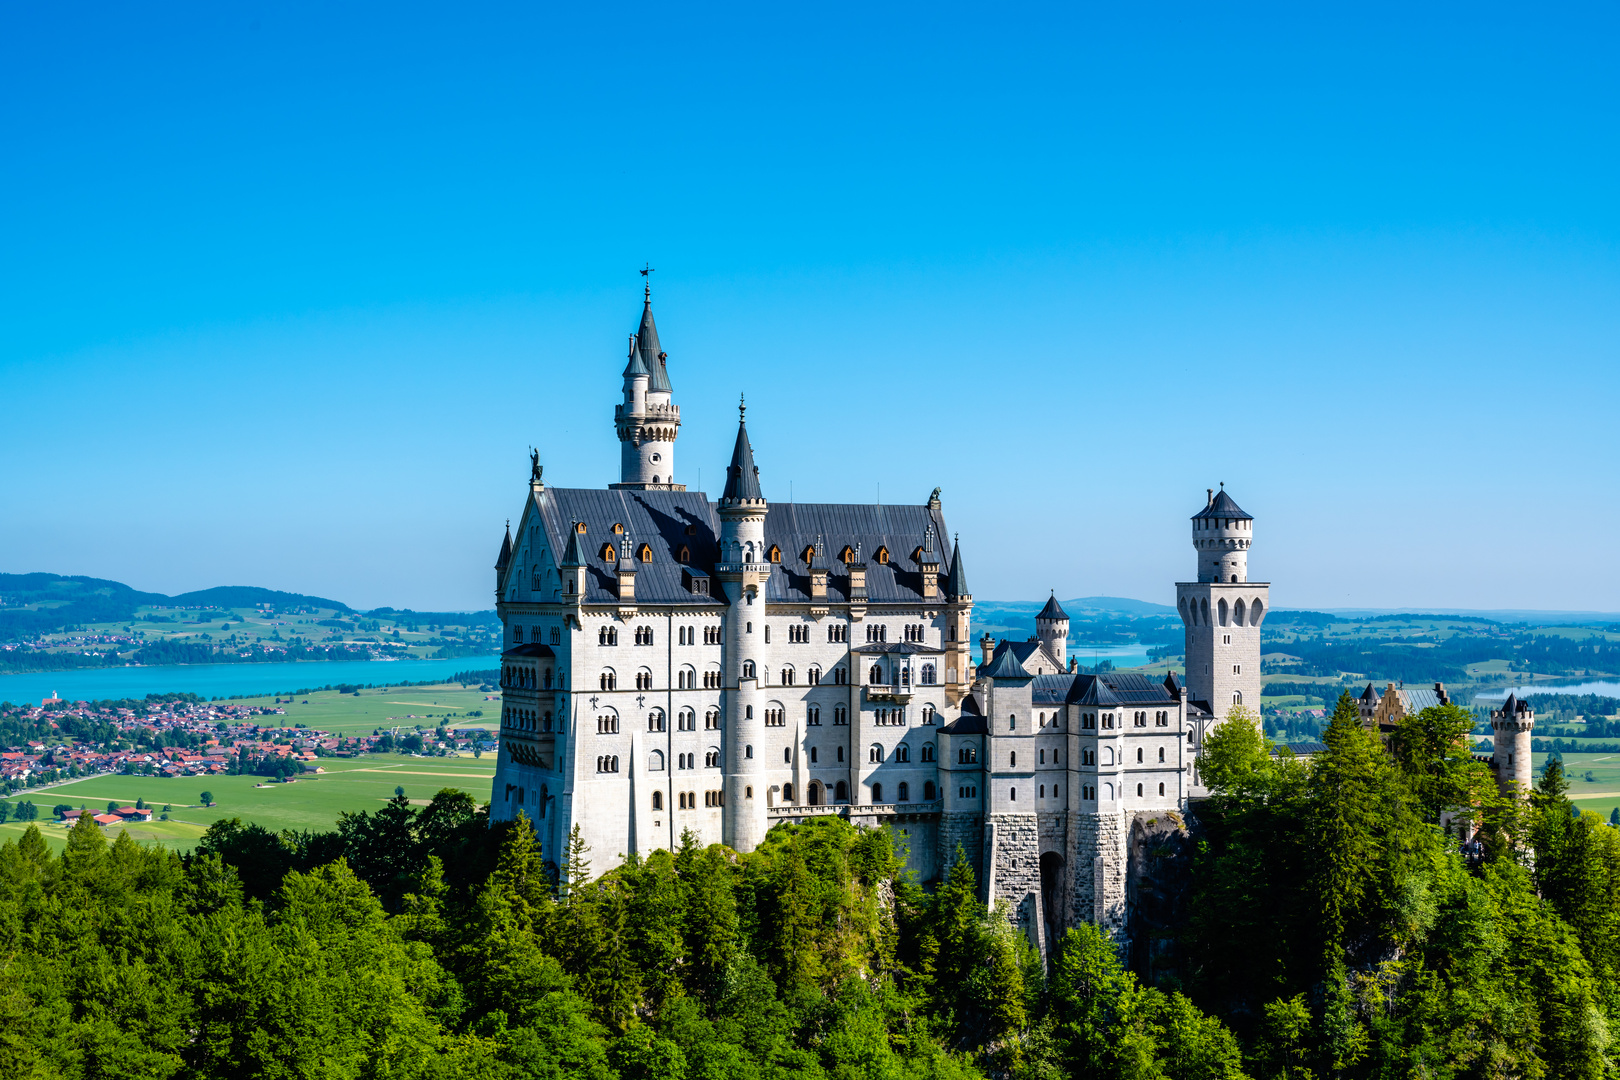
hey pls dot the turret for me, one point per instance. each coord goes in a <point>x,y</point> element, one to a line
<point>503,560</point>
<point>1512,725</point>
<point>647,422</point>
<point>1222,533</point>
<point>1052,627</point>
<point>744,571</point>
<point>958,629</point>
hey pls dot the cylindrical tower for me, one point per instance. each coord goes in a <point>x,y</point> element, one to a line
<point>647,422</point>
<point>1512,725</point>
<point>744,571</point>
<point>1052,627</point>
<point>1222,533</point>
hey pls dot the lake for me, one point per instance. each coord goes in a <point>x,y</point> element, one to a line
<point>228,680</point>
<point>1605,688</point>
<point>1123,656</point>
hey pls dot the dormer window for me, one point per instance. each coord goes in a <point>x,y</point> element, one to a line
<point>809,554</point>
<point>883,555</point>
<point>618,529</point>
<point>683,555</point>
<point>579,527</point>
<point>608,554</point>
<point>775,554</point>
<point>917,556</point>
<point>644,553</point>
<point>846,556</point>
<point>691,530</point>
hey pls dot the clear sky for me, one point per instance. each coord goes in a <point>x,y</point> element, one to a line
<point>287,291</point>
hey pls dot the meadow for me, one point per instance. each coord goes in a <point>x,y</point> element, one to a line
<point>314,801</point>
<point>388,709</point>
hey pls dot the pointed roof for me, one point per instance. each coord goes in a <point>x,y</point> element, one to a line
<point>571,556</point>
<point>1099,695</point>
<point>1052,610</point>
<point>956,580</point>
<point>1222,506</point>
<point>636,365</point>
<point>742,475</point>
<point>1005,666</point>
<point>652,354</point>
<point>1511,705</point>
<point>1172,684</point>
<point>1369,694</point>
<point>506,549</point>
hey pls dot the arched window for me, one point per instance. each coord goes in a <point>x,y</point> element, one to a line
<point>1237,697</point>
<point>787,755</point>
<point>876,674</point>
<point>787,676</point>
<point>928,674</point>
<point>655,763</point>
<point>609,680</point>
<point>904,794</point>
<point>815,793</point>
<point>1221,610</point>
<point>877,793</point>
<point>928,715</point>
<point>813,676</point>
<point>644,553</point>
<point>1012,760</point>
<point>1138,789</point>
<point>658,800</point>
<point>1237,613</point>
<point>608,554</point>
<point>841,792</point>
<point>902,752</point>
<point>644,679</point>
<point>928,791</point>
<point>711,720</point>
<point>1257,611</point>
<point>775,554</point>
<point>846,557</point>
<point>748,669</point>
<point>1161,789</point>
<point>655,720</point>
<point>1161,758</point>
<point>883,555</point>
<point>787,792</point>
<point>874,754</point>
<point>711,759</point>
<point>928,751</point>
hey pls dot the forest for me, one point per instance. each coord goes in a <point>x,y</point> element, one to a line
<point>1375,911</point>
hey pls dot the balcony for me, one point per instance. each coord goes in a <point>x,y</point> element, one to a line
<point>898,694</point>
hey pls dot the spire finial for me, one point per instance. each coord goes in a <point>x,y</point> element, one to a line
<point>742,408</point>
<point>647,270</point>
<point>1223,485</point>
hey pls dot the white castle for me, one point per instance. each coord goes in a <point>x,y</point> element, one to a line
<point>679,664</point>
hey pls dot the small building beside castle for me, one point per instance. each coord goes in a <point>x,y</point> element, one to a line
<point>675,663</point>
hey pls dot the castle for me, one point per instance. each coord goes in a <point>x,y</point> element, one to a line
<point>678,664</point>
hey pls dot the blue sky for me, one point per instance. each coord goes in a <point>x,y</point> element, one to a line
<point>289,290</point>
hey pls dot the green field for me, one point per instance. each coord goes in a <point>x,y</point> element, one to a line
<point>1602,792</point>
<point>312,802</point>
<point>404,707</point>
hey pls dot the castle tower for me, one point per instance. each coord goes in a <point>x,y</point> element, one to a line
<point>1512,724</point>
<point>743,571</point>
<point>1222,610</point>
<point>958,632</point>
<point>647,422</point>
<point>1052,627</point>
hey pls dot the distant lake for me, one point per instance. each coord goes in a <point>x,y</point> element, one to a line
<point>1607,688</point>
<point>1123,656</point>
<point>228,680</point>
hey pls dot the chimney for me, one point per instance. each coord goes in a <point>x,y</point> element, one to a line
<point>626,567</point>
<point>1209,500</point>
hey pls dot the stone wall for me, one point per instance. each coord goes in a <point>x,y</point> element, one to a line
<point>1159,880</point>
<point>966,830</point>
<point>1097,869</point>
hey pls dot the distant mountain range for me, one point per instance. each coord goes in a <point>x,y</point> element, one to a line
<point>77,600</point>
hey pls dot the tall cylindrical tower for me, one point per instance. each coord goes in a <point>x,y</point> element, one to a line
<point>1222,533</point>
<point>744,571</point>
<point>1512,725</point>
<point>1052,627</point>
<point>647,422</point>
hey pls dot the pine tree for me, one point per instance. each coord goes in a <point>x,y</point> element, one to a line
<point>576,868</point>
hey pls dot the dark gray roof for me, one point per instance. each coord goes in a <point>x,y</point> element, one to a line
<point>742,475</point>
<point>1222,506</point>
<point>1052,610</point>
<point>956,581</point>
<point>1094,693</point>
<point>658,518</point>
<point>636,364</point>
<point>967,724</point>
<point>831,527</point>
<point>506,551</point>
<point>534,648</point>
<point>905,648</point>
<point>652,354</point>
<point>1005,665</point>
<point>1370,695</point>
<point>1172,685</point>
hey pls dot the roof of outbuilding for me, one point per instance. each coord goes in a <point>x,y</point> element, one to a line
<point>1222,506</point>
<point>1052,610</point>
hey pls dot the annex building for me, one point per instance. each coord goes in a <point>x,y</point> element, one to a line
<point>679,663</point>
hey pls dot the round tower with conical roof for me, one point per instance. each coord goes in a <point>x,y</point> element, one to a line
<point>1052,627</point>
<point>647,421</point>
<point>744,571</point>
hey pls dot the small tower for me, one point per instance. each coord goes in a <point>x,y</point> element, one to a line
<point>958,628</point>
<point>503,560</point>
<point>647,421</point>
<point>1052,627</point>
<point>1222,610</point>
<point>744,571</point>
<point>1512,724</point>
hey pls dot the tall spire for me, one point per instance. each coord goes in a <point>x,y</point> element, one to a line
<point>652,354</point>
<point>742,475</point>
<point>956,580</point>
<point>506,549</point>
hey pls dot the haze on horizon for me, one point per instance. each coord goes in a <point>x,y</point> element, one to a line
<point>291,290</point>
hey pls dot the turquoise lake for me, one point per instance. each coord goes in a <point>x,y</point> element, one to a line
<point>228,680</point>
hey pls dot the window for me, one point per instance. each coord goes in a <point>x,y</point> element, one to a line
<point>607,724</point>
<point>874,754</point>
<point>711,720</point>
<point>644,635</point>
<point>798,634</point>
<point>618,529</point>
<point>686,679</point>
<point>1237,669</point>
<point>748,669</point>
<point>1043,757</point>
<point>787,755</point>
<point>876,674</point>
<point>711,635</point>
<point>813,755</point>
<point>928,751</point>
<point>902,752</point>
<point>928,674</point>
<point>1088,792</point>
<point>787,792</point>
<point>655,720</point>
<point>967,792</point>
<point>607,554</point>
<point>767,634</point>
<point>644,680</point>
<point>840,716</point>
<point>686,720</point>
<point>846,556</point>
<point>813,716</point>
<point>1088,720</point>
<point>904,794</point>
<point>1161,789</point>
<point>1237,697</point>
<point>644,553</point>
<point>711,760</point>
<point>1226,639</point>
<point>813,676</point>
<point>840,676</point>
<point>841,792</point>
<point>775,716</point>
<point>1138,789</point>
<point>928,791</point>
<point>608,763</point>
<point>683,761</point>
<point>1161,758</point>
<point>1012,722</point>
<point>1139,755</point>
<point>1012,794</point>
<point>655,762</point>
<point>517,635</point>
<point>838,632</point>
<point>840,753</point>
<point>658,800</point>
<point>712,679</point>
<point>877,793</point>
<point>775,554</point>
<point>787,676</point>
<point>883,555</point>
<point>748,751</point>
<point>608,635</point>
<point>928,715</point>
<point>1108,720</point>
<point>1161,719</point>
<point>967,755</point>
<point>1012,760</point>
<point>556,636</point>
